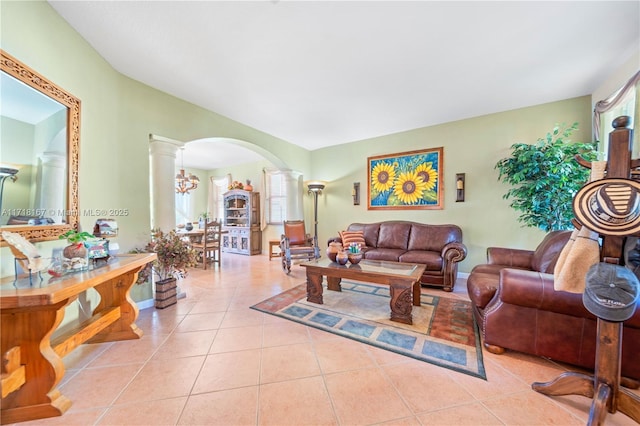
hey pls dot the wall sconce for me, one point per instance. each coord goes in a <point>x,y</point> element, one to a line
<point>355,193</point>
<point>459,187</point>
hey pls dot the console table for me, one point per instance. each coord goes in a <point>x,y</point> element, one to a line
<point>32,349</point>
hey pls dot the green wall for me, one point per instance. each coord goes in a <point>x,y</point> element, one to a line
<point>119,114</point>
<point>471,146</point>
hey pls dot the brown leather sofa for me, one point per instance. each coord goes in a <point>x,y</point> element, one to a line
<point>517,308</point>
<point>439,247</point>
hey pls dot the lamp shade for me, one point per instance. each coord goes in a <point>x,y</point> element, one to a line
<point>315,186</point>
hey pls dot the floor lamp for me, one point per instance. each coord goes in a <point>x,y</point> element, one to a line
<point>315,188</point>
<point>6,173</point>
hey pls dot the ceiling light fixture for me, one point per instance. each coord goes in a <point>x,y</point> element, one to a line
<point>184,182</point>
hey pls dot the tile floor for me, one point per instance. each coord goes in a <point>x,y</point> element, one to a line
<point>210,360</point>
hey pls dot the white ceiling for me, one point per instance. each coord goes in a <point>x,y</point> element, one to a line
<point>323,73</point>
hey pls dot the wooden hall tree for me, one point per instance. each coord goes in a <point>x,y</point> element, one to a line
<point>604,386</point>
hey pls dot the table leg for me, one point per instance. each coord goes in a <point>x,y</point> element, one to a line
<point>400,303</point>
<point>314,288</point>
<point>416,293</point>
<point>116,293</point>
<point>30,329</point>
<point>333,283</point>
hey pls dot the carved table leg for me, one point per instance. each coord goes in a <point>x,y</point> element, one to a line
<point>401,302</point>
<point>416,293</point>
<point>30,329</point>
<point>333,283</point>
<point>113,294</point>
<point>314,288</point>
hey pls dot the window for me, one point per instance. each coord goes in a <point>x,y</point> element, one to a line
<point>184,208</point>
<point>276,197</point>
<point>626,106</point>
<point>624,102</point>
<point>218,188</point>
<point>282,200</point>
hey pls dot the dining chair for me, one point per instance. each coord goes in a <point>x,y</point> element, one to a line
<point>208,247</point>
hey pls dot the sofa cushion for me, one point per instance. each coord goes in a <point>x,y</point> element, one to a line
<point>432,259</point>
<point>349,237</point>
<point>546,254</point>
<point>370,231</point>
<point>433,237</point>
<point>394,235</point>
<point>384,254</point>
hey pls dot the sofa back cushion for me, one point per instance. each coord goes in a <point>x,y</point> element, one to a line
<point>546,254</point>
<point>433,237</point>
<point>394,234</point>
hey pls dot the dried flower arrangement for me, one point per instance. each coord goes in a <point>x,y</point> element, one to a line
<point>175,257</point>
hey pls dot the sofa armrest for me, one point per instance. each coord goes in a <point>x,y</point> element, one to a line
<point>452,253</point>
<point>516,258</point>
<point>535,290</point>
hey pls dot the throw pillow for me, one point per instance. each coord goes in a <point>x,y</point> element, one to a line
<point>349,237</point>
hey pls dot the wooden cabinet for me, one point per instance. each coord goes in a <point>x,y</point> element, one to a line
<point>241,224</point>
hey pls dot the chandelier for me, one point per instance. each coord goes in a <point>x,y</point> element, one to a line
<point>184,182</point>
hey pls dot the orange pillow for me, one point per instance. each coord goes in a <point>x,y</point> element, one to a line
<point>349,237</point>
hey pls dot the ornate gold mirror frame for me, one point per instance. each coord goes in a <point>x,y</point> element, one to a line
<point>18,70</point>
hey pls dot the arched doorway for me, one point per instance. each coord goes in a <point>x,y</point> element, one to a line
<point>163,154</point>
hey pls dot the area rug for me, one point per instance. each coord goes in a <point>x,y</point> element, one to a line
<point>443,332</point>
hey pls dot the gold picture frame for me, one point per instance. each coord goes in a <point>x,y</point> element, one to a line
<point>406,181</point>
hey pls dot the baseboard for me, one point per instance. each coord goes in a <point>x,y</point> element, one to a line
<point>464,275</point>
<point>144,304</point>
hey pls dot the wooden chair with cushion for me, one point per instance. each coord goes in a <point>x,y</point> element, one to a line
<point>208,247</point>
<point>296,244</point>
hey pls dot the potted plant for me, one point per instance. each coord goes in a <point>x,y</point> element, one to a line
<point>76,254</point>
<point>545,177</point>
<point>204,218</point>
<point>175,257</point>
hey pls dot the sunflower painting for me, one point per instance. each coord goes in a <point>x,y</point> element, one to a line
<point>409,180</point>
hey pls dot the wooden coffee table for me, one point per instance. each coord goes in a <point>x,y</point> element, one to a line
<point>403,280</point>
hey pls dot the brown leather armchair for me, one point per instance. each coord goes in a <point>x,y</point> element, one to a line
<point>517,308</point>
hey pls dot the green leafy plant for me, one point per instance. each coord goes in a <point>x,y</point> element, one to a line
<point>175,256</point>
<point>75,237</point>
<point>545,177</point>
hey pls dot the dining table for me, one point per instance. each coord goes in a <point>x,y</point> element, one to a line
<point>193,235</point>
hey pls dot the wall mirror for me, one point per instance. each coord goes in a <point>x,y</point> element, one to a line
<point>39,154</point>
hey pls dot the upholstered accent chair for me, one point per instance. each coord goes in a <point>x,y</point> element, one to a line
<point>296,244</point>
